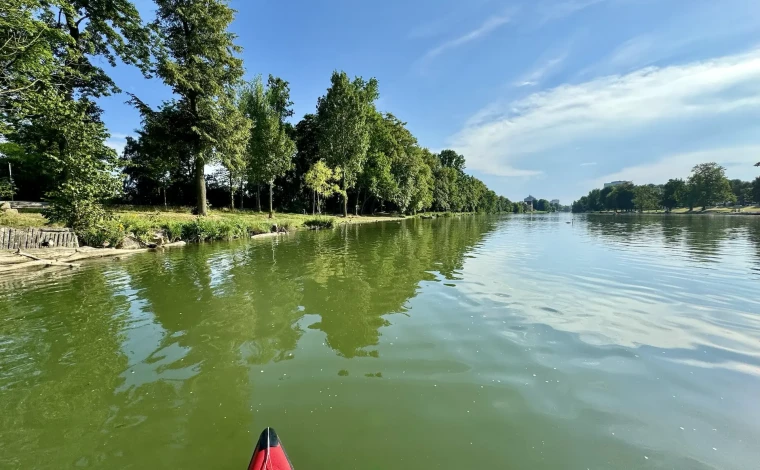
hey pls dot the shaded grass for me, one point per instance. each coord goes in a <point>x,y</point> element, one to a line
<point>22,219</point>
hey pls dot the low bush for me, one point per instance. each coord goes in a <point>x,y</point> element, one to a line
<point>320,222</point>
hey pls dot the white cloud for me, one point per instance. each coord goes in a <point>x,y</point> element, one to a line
<point>737,161</point>
<point>612,108</point>
<point>117,142</point>
<point>588,164</point>
<point>490,25</point>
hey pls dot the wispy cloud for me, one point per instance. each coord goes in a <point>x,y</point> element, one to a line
<point>611,109</point>
<point>588,164</point>
<point>490,25</point>
<point>550,11</point>
<point>542,70</point>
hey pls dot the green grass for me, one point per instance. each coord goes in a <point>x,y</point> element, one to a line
<point>22,219</point>
<point>178,223</point>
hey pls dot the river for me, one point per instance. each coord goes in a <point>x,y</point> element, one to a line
<point>511,342</point>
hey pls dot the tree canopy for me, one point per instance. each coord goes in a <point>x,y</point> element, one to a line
<point>52,73</point>
<point>706,186</point>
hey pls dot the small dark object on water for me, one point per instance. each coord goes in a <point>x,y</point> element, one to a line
<point>343,372</point>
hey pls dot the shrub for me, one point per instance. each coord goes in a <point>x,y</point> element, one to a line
<point>320,222</point>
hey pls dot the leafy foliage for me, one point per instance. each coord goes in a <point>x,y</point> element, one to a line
<point>52,132</point>
<point>196,58</point>
<point>270,148</point>
<point>50,84</point>
<point>708,185</point>
<point>322,180</point>
<point>674,194</point>
<point>343,131</point>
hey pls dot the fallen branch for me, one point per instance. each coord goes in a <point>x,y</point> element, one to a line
<point>48,262</point>
<point>102,253</point>
<point>36,262</point>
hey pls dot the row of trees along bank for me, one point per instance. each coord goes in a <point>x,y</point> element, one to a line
<point>706,186</point>
<point>52,131</point>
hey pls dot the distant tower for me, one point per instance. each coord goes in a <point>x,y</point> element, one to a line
<point>529,201</point>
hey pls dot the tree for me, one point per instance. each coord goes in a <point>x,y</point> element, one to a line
<point>158,158</point>
<point>742,191</point>
<point>673,194</point>
<point>756,191</point>
<point>197,60</point>
<point>708,185</point>
<point>343,132</point>
<point>49,86</point>
<point>270,148</point>
<point>451,159</point>
<point>321,180</point>
<point>542,205</point>
<point>646,197</point>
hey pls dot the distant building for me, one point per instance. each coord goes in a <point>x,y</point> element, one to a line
<point>616,183</point>
<point>529,201</point>
<point>555,201</point>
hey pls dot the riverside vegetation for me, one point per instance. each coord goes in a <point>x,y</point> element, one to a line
<point>346,157</point>
<point>707,186</point>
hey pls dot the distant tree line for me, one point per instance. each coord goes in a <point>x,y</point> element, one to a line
<point>346,156</point>
<point>542,205</point>
<point>706,186</point>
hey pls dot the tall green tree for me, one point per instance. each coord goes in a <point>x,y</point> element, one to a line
<point>673,194</point>
<point>451,159</point>
<point>51,81</point>
<point>708,185</point>
<point>270,148</point>
<point>646,197</point>
<point>157,161</point>
<point>742,191</point>
<point>197,59</point>
<point>343,131</point>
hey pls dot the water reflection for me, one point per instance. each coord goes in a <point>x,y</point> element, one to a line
<point>557,345</point>
<point>97,364</point>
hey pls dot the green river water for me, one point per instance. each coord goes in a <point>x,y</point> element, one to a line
<point>516,342</point>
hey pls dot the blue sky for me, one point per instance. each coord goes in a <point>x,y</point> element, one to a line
<point>550,98</point>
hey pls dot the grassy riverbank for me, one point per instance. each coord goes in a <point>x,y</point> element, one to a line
<point>181,224</point>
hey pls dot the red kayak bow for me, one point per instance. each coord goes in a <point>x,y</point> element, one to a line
<point>269,454</point>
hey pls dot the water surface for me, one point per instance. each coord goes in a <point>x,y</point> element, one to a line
<point>475,342</point>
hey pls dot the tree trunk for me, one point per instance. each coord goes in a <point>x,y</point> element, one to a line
<point>242,193</point>
<point>232,193</point>
<point>271,190</point>
<point>313,203</point>
<point>345,198</point>
<point>164,196</point>
<point>258,197</point>
<point>358,198</point>
<point>200,182</point>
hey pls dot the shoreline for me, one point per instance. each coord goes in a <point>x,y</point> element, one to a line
<point>153,232</point>
<point>708,212</point>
